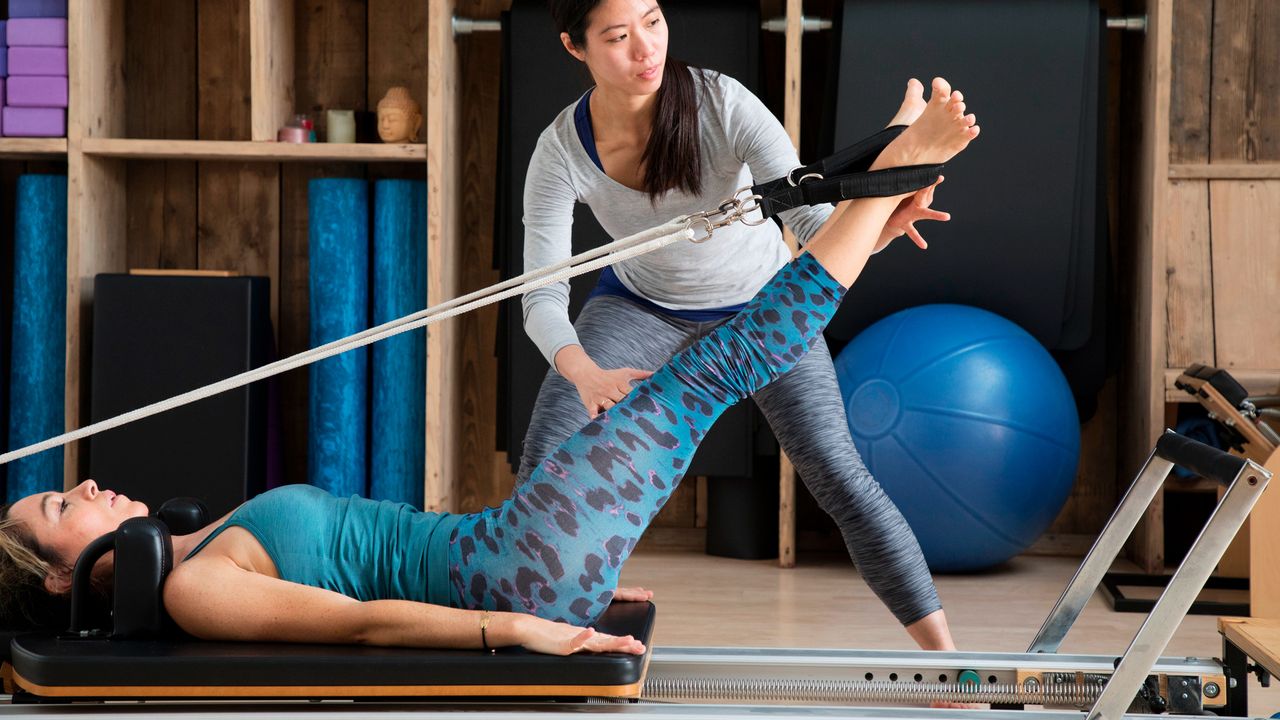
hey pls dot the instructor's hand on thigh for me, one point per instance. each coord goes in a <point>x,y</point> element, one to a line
<point>599,389</point>
<point>556,638</point>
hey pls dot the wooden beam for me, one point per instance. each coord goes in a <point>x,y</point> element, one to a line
<point>271,52</point>
<point>95,191</point>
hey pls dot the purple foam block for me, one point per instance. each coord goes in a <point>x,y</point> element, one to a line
<point>37,61</point>
<point>37,8</point>
<point>4,62</point>
<point>48,32</point>
<point>1,111</point>
<point>34,122</point>
<point>46,91</point>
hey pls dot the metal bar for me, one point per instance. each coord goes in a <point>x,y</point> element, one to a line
<point>811,662</point>
<point>807,24</point>
<point>1136,23</point>
<point>1103,553</point>
<point>1158,628</point>
<point>467,26</point>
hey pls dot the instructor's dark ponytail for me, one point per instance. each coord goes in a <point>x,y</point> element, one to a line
<point>673,156</point>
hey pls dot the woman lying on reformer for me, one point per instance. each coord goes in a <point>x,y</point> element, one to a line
<point>298,565</point>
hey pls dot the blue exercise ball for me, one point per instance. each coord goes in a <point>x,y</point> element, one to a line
<point>968,424</point>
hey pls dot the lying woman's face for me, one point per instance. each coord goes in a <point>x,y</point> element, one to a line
<point>66,522</point>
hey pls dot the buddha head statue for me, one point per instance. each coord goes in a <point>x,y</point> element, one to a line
<point>399,116</point>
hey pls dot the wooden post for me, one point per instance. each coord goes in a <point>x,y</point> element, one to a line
<point>443,176</point>
<point>1264,548</point>
<point>791,120</point>
<point>271,51</point>
<point>1144,371</point>
<point>95,190</point>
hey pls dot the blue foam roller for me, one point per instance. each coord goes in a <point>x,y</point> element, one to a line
<point>37,373</point>
<point>399,363</point>
<point>338,216</point>
<point>37,8</point>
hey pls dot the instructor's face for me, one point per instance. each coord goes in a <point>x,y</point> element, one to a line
<point>626,45</point>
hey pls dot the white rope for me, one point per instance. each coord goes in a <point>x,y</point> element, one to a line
<point>628,247</point>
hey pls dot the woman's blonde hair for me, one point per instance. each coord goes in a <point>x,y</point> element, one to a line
<point>23,565</point>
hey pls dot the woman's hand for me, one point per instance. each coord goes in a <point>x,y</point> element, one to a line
<point>913,208</point>
<point>556,638</point>
<point>632,594</point>
<point>599,389</point>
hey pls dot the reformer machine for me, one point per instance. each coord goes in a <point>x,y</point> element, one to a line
<point>139,656</point>
<point>136,654</point>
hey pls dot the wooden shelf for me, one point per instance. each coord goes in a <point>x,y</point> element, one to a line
<point>253,151</point>
<point>1226,171</point>
<point>32,148</point>
<point>1257,382</point>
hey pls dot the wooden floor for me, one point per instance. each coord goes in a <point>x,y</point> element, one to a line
<point>824,603</point>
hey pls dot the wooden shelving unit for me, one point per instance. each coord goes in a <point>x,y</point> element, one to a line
<point>189,175</point>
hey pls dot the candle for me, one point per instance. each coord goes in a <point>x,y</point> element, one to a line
<point>341,126</point>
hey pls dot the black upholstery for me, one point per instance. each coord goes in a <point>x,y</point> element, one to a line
<point>170,668</point>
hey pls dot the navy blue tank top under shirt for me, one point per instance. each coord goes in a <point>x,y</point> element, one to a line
<point>609,284</point>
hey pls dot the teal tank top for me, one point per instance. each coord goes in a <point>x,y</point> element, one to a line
<point>364,549</point>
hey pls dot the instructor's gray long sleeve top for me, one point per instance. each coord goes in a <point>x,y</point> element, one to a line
<point>742,143</point>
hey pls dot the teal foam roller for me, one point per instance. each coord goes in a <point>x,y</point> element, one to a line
<point>37,376</point>
<point>338,216</point>
<point>398,418</point>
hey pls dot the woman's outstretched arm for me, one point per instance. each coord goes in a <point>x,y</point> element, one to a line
<point>213,598</point>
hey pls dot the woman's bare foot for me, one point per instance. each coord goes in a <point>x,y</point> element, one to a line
<point>912,104</point>
<point>940,132</point>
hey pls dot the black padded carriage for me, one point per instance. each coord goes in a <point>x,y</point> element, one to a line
<point>142,655</point>
<point>69,668</point>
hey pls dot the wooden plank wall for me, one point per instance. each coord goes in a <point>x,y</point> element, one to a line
<point>187,65</point>
<point>1222,250</point>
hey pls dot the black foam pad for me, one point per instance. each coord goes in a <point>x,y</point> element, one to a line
<point>183,515</point>
<point>184,665</point>
<point>155,337</point>
<point>143,557</point>
<point>539,80</point>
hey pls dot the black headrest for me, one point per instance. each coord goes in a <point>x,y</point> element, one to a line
<point>183,515</point>
<point>143,558</point>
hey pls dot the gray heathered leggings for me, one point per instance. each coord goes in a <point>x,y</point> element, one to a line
<point>805,410</point>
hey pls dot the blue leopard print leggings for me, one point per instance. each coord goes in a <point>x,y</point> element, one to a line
<point>556,546</point>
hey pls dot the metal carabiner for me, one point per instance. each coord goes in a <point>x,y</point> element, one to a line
<point>707,225</point>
